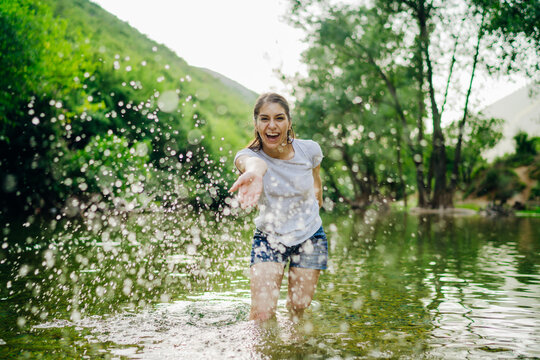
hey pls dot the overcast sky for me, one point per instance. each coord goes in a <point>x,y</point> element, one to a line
<point>245,40</point>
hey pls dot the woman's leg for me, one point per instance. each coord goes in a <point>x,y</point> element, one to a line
<point>302,284</point>
<point>265,283</point>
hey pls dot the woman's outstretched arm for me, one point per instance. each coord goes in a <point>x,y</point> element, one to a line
<point>250,183</point>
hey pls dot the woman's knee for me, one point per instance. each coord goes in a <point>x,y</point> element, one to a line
<point>299,302</point>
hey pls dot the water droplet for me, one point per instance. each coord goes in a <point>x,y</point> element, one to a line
<point>195,136</point>
<point>10,183</point>
<point>168,101</point>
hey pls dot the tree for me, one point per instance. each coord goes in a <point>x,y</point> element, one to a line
<point>480,134</point>
<point>512,18</point>
<point>345,105</point>
<point>524,144</point>
<point>37,69</point>
<point>415,54</point>
<point>515,27</point>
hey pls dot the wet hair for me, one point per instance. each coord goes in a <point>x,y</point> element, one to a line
<point>256,144</point>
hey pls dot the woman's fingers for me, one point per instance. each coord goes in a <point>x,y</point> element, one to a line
<point>249,190</point>
<point>235,186</point>
<point>242,180</point>
<point>242,193</point>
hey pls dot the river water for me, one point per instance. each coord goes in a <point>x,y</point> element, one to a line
<point>176,286</point>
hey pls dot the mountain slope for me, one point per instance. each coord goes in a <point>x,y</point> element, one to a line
<point>248,95</point>
<point>93,110</point>
<point>117,41</point>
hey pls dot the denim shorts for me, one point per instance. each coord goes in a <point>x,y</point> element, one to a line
<point>311,254</point>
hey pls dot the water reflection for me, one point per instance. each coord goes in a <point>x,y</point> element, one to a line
<point>470,284</point>
<point>167,285</point>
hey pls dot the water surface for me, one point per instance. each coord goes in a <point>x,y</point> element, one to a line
<point>167,286</point>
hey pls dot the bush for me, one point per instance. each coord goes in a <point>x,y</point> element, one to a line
<point>498,183</point>
<point>535,193</point>
<point>534,172</point>
<point>111,167</point>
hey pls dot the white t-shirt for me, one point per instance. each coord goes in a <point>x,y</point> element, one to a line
<point>288,208</point>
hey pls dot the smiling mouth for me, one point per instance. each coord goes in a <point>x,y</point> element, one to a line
<point>272,136</point>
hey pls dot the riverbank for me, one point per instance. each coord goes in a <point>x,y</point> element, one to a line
<point>470,207</point>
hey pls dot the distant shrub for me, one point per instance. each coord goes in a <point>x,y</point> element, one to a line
<point>498,183</point>
<point>535,193</point>
<point>526,145</point>
<point>517,160</point>
<point>534,172</point>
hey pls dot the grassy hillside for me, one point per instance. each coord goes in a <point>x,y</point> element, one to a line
<point>93,110</point>
<point>226,107</point>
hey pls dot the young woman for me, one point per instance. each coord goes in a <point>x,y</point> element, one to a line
<point>280,175</point>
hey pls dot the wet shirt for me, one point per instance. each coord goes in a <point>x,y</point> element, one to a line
<point>288,208</point>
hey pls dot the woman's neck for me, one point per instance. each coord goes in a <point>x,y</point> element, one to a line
<point>285,152</point>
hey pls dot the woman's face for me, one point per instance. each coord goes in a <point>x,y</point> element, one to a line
<point>272,125</point>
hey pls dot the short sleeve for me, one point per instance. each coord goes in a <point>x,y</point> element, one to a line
<point>315,153</point>
<point>242,152</point>
<point>318,155</point>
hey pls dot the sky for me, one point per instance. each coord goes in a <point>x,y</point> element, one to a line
<point>245,40</point>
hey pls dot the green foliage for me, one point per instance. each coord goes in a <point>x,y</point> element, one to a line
<point>110,166</point>
<point>74,78</point>
<point>513,18</point>
<point>497,182</point>
<point>534,172</point>
<point>526,150</point>
<point>535,193</point>
<point>480,134</point>
<point>37,58</point>
<point>345,106</point>
<point>524,145</point>
<point>514,27</point>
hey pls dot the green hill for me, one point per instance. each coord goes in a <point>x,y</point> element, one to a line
<point>247,94</point>
<point>95,111</point>
<point>111,36</point>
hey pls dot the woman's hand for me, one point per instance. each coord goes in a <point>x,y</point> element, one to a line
<point>249,186</point>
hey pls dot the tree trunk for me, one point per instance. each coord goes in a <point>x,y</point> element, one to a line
<point>332,183</point>
<point>400,173</point>
<point>429,181</point>
<point>419,160</point>
<point>440,193</point>
<point>457,157</point>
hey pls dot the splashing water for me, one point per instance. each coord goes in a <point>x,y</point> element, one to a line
<point>397,286</point>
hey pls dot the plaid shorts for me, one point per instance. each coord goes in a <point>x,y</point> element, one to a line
<point>310,254</point>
